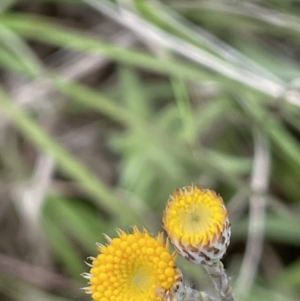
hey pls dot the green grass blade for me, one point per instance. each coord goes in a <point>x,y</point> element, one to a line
<point>44,30</point>
<point>65,160</point>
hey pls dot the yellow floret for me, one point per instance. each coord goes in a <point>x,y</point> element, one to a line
<point>133,267</point>
<point>197,224</point>
<point>195,215</point>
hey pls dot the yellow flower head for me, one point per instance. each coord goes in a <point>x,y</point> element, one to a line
<point>197,223</point>
<point>133,267</point>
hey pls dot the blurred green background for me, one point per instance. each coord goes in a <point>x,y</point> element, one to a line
<point>106,107</point>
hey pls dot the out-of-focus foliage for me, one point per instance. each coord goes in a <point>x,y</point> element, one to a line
<point>107,107</point>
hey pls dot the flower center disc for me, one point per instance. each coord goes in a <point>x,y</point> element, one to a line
<point>196,219</point>
<point>132,267</point>
<point>194,215</point>
<point>141,279</point>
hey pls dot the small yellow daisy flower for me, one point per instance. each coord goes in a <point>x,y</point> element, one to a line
<point>196,221</point>
<point>133,267</point>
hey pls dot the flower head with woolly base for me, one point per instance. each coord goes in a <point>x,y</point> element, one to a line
<point>133,267</point>
<point>197,223</point>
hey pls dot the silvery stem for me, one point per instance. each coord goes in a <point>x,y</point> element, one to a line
<point>186,293</point>
<point>220,279</point>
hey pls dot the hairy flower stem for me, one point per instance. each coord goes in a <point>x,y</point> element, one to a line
<point>220,279</point>
<point>186,293</point>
